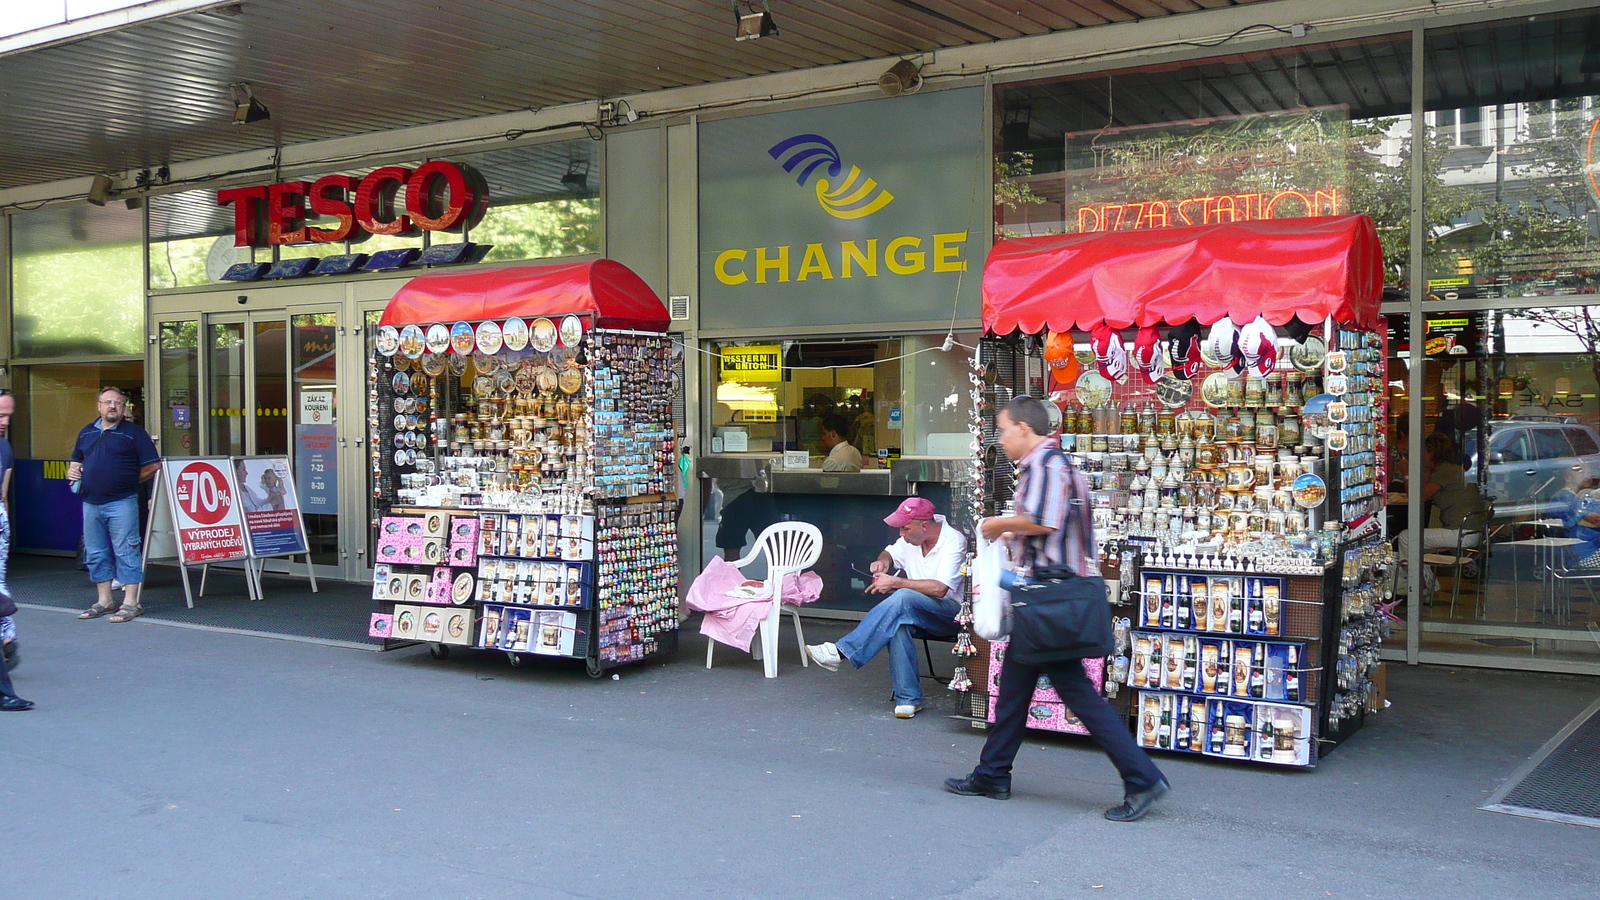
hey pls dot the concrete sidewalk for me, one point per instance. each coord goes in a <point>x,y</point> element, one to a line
<point>170,763</point>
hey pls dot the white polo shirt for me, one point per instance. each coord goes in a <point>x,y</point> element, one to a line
<point>943,563</point>
<point>842,458</point>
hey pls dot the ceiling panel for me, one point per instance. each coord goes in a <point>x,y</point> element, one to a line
<point>157,93</point>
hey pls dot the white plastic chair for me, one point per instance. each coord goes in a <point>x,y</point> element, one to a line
<point>790,548</point>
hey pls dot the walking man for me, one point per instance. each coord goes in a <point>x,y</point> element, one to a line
<point>112,457</point>
<point>931,554</point>
<point>1051,532</point>
<point>9,701</point>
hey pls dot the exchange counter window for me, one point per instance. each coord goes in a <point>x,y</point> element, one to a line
<point>896,396</point>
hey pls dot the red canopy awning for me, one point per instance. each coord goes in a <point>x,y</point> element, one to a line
<point>1312,268</point>
<point>609,290</point>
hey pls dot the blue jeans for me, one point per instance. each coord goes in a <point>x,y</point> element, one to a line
<point>889,624</point>
<point>111,541</point>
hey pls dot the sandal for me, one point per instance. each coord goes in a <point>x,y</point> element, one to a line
<point>96,611</point>
<point>126,614</point>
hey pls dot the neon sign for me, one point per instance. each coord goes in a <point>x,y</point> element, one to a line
<point>1208,210</point>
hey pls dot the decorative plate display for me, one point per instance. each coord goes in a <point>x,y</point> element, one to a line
<point>1214,390</point>
<point>1052,411</point>
<point>1173,391</point>
<point>483,362</point>
<point>544,378</point>
<point>1094,389</point>
<point>1308,355</point>
<point>457,363</point>
<point>400,457</point>
<point>1309,491</point>
<point>482,386</point>
<point>411,423</point>
<point>401,382</point>
<point>411,457</point>
<point>400,406</point>
<point>503,382</point>
<point>419,385</point>
<point>524,379</point>
<point>388,340</point>
<point>412,342</point>
<point>490,340</point>
<point>434,364</point>
<point>544,334</point>
<point>401,364</point>
<point>437,339</point>
<point>461,590</point>
<point>462,339</point>
<point>571,331</point>
<point>399,420</point>
<point>515,334</point>
<point>564,357</point>
<point>571,382</point>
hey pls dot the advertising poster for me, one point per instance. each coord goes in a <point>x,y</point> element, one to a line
<point>206,513</point>
<point>316,453</point>
<point>271,509</point>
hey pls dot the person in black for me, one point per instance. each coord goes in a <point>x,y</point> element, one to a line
<point>9,701</point>
<point>112,458</point>
<point>1052,529</point>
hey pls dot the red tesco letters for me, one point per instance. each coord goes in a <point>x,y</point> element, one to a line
<point>439,196</point>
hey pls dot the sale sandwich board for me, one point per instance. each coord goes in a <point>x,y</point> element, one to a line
<point>199,518</point>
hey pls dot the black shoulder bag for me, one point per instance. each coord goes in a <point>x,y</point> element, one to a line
<point>1058,614</point>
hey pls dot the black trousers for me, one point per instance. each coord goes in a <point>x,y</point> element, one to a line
<point>1072,684</point>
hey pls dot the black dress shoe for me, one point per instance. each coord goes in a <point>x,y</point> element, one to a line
<point>15,704</point>
<point>1136,803</point>
<point>977,786</point>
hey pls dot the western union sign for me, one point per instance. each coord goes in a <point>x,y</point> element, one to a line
<point>758,362</point>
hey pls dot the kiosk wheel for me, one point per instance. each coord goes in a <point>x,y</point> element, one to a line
<point>438,651</point>
<point>591,667</point>
<point>516,659</point>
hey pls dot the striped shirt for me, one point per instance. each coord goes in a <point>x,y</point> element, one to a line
<point>1053,493</point>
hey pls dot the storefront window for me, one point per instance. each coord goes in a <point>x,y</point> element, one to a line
<point>75,277</point>
<point>906,397</point>
<point>60,399</point>
<point>179,348</point>
<point>1311,131</point>
<point>1513,161</point>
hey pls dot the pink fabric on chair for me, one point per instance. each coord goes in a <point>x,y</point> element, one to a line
<point>731,619</point>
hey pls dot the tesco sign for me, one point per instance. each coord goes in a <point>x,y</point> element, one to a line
<point>395,200</point>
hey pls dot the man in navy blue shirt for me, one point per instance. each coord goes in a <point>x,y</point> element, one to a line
<point>112,457</point>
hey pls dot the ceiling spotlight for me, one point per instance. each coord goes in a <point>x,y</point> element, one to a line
<point>246,108</point>
<point>753,24</point>
<point>577,177</point>
<point>902,78</point>
<point>99,190</point>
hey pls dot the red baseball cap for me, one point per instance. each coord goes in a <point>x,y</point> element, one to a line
<point>913,508</point>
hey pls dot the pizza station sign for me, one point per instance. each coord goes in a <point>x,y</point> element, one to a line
<point>394,200</point>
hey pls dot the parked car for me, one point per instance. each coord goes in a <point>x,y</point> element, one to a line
<point>1531,460</point>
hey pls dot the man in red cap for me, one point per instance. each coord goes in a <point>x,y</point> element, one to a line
<point>927,597</point>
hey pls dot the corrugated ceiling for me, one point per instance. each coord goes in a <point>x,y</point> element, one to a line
<point>158,92</point>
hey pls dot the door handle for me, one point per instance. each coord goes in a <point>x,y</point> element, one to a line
<point>1529,472</point>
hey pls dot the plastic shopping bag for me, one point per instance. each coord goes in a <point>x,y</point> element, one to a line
<point>991,603</point>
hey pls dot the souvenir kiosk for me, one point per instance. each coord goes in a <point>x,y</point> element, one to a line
<point>523,452</point>
<point>1235,457</point>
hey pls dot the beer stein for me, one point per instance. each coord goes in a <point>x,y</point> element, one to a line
<point>1241,476</point>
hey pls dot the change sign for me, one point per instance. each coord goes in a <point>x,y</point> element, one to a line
<point>205,510</point>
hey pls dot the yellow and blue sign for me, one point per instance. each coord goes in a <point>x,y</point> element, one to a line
<point>860,213</point>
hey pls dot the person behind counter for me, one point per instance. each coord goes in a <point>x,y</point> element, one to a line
<point>931,554</point>
<point>841,456</point>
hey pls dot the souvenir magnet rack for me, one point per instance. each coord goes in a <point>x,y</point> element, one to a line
<point>529,471</point>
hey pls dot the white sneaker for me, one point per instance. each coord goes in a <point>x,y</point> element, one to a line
<point>825,655</point>
<point>907,710</point>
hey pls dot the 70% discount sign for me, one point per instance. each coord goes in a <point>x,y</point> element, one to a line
<point>209,524</point>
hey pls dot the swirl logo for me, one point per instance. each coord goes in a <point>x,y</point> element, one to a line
<point>852,197</point>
